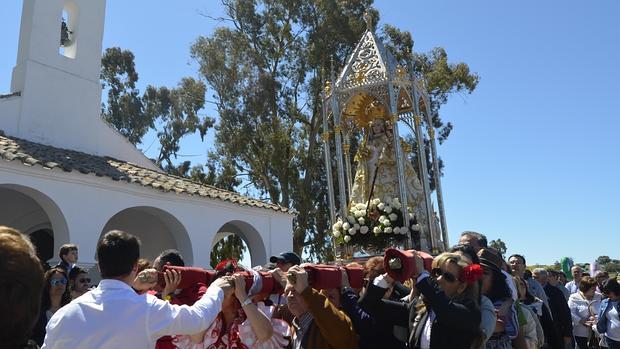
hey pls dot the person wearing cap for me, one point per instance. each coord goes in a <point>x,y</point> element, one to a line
<point>285,260</point>
<point>495,287</point>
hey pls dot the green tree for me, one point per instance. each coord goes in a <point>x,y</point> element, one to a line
<point>265,69</point>
<point>171,113</point>
<point>499,245</point>
<point>230,247</point>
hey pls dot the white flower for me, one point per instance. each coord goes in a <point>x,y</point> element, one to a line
<point>415,227</point>
<point>361,221</point>
<point>404,230</point>
<point>346,226</point>
<point>381,206</point>
<point>336,233</point>
<point>347,238</point>
<point>352,231</point>
<point>361,206</point>
<point>387,223</point>
<point>377,230</point>
<point>375,201</point>
<point>393,217</point>
<point>396,230</point>
<point>364,229</point>
<point>359,214</point>
<point>351,219</point>
<point>387,230</point>
<point>337,225</point>
<point>396,204</point>
<point>382,219</point>
<point>388,209</point>
<point>395,201</point>
<point>410,215</point>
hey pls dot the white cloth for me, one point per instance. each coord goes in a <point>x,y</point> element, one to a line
<point>532,329</point>
<point>572,287</point>
<point>582,309</point>
<point>613,323</point>
<point>425,341</point>
<point>114,316</point>
<point>488,318</point>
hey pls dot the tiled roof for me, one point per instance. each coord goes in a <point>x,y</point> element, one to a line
<point>31,154</point>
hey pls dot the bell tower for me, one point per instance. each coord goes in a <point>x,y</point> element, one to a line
<point>56,77</point>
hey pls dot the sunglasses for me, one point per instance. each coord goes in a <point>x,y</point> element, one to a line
<point>85,280</point>
<point>437,272</point>
<point>56,282</point>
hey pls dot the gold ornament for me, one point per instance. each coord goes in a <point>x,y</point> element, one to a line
<point>346,147</point>
<point>328,87</point>
<point>337,128</point>
<point>431,132</point>
<point>417,119</point>
<point>325,136</point>
<point>400,71</point>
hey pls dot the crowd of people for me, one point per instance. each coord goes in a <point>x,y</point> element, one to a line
<point>469,297</point>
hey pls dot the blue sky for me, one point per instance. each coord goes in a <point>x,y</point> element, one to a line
<point>533,159</point>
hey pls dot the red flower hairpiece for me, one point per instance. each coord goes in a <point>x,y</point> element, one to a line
<point>471,273</point>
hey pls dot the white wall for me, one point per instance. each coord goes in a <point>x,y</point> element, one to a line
<point>88,202</point>
<point>9,110</point>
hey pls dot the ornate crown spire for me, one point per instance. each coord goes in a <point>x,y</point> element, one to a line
<point>368,20</point>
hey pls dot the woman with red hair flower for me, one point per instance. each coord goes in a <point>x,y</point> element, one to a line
<point>446,315</point>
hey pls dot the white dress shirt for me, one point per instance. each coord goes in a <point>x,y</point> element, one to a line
<point>572,286</point>
<point>114,316</point>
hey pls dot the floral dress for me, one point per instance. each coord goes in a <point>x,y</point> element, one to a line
<point>240,335</point>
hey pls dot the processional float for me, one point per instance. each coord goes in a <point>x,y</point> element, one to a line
<point>383,201</point>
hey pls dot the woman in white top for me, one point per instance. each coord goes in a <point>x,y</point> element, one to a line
<point>584,306</point>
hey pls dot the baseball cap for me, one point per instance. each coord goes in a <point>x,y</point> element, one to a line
<point>286,257</point>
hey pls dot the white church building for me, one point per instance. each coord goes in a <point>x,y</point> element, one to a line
<point>68,176</point>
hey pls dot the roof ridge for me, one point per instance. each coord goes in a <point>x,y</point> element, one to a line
<point>32,153</point>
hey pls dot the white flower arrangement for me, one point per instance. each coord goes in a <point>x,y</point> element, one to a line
<point>383,219</point>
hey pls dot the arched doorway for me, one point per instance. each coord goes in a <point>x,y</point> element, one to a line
<point>34,214</point>
<point>249,236</point>
<point>157,230</point>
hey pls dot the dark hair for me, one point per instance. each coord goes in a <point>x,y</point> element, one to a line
<point>75,272</point>
<point>518,256</point>
<point>117,253</point>
<point>499,288</point>
<point>587,283</point>
<point>171,256</point>
<point>45,297</point>
<point>21,284</point>
<point>481,238</point>
<point>529,299</point>
<point>467,250</point>
<point>65,249</point>
<point>611,285</point>
<point>527,274</point>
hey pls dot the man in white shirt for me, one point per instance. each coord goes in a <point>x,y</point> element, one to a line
<point>573,286</point>
<point>115,316</point>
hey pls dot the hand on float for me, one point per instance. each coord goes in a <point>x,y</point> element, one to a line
<point>279,276</point>
<point>240,292</point>
<point>298,277</point>
<point>226,283</point>
<point>145,280</point>
<point>173,279</point>
<point>345,279</point>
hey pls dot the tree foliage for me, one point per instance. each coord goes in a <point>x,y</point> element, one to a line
<point>499,245</point>
<point>230,247</point>
<point>265,69</point>
<point>172,113</point>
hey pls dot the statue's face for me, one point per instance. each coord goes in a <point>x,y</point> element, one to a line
<point>377,127</point>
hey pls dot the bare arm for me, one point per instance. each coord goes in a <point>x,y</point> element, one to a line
<point>260,323</point>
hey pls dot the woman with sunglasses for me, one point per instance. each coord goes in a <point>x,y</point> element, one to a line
<point>447,313</point>
<point>55,296</point>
